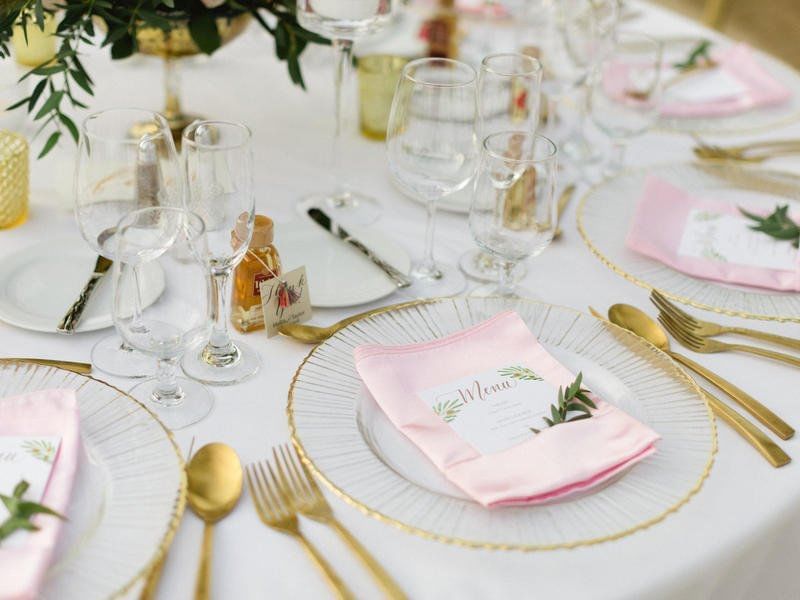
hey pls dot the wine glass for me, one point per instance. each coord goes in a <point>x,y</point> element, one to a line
<point>343,22</point>
<point>432,150</point>
<point>118,172</point>
<point>508,98</point>
<point>514,214</point>
<point>175,240</point>
<point>626,92</point>
<point>218,165</point>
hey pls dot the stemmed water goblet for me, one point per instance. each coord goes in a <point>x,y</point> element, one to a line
<point>626,92</point>
<point>513,214</point>
<point>343,22</point>
<point>218,166</point>
<point>116,173</point>
<point>175,239</point>
<point>432,151</point>
<point>508,98</point>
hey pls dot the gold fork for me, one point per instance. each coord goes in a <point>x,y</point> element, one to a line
<point>706,328</point>
<point>275,510</point>
<point>770,149</point>
<point>309,501</point>
<point>711,346</point>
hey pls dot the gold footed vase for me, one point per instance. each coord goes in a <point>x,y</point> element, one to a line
<point>172,46</point>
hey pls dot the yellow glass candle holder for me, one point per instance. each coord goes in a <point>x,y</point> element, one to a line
<point>378,75</point>
<point>13,179</point>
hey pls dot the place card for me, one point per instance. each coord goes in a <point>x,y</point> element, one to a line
<point>30,458</point>
<point>728,238</point>
<point>706,86</point>
<point>285,299</point>
<point>495,409</point>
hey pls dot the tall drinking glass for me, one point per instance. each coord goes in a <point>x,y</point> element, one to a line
<point>218,164</point>
<point>514,214</point>
<point>432,150</point>
<point>116,173</point>
<point>175,239</point>
<point>509,92</point>
<point>626,92</point>
<point>343,22</point>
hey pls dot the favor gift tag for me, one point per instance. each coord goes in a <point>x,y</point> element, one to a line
<point>285,299</point>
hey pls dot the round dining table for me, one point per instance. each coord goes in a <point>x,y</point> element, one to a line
<point>737,538</point>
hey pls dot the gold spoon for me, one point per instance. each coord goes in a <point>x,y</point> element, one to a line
<point>637,322</point>
<point>215,485</point>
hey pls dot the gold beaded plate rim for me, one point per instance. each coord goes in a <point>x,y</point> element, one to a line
<point>630,341</point>
<point>179,503</point>
<point>793,180</point>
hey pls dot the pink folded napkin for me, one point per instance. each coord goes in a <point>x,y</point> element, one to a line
<point>709,239</point>
<point>457,399</point>
<point>45,413</point>
<point>759,88</point>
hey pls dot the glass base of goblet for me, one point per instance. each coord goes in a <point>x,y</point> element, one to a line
<point>196,364</point>
<point>443,281</point>
<point>492,290</point>
<point>194,403</point>
<point>113,357</point>
<point>345,206</point>
<point>481,266</point>
<point>579,150</point>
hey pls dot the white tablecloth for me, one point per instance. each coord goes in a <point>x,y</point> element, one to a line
<point>738,538</point>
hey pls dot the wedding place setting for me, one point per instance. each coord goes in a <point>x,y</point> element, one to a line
<point>396,299</point>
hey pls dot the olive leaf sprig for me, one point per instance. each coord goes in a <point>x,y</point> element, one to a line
<point>778,225</point>
<point>573,400</point>
<point>699,55</point>
<point>21,511</point>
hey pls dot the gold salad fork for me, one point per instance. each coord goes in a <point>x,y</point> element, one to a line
<point>708,329</point>
<point>309,501</point>
<point>711,346</point>
<point>275,510</point>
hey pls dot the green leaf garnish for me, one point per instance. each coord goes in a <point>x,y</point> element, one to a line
<point>573,400</point>
<point>777,225</point>
<point>21,511</point>
<point>697,57</point>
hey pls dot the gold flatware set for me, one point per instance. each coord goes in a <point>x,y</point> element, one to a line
<point>753,153</point>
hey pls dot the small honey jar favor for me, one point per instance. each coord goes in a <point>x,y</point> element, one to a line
<point>261,262</point>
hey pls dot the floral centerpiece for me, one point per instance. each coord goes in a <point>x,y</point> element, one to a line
<point>119,23</point>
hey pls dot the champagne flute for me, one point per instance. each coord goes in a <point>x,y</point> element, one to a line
<point>432,150</point>
<point>218,164</point>
<point>626,92</point>
<point>175,239</point>
<point>508,98</point>
<point>514,213</point>
<point>343,22</point>
<point>117,172</point>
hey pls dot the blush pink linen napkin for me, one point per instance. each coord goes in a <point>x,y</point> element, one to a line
<point>761,88</point>
<point>558,462</point>
<point>657,229</point>
<point>46,412</point>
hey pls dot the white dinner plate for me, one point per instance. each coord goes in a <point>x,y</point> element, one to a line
<point>129,491</point>
<point>338,274</point>
<point>39,283</point>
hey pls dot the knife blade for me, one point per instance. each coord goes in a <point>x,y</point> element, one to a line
<point>324,221</point>
<point>73,315</point>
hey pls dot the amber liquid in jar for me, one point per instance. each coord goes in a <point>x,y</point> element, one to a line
<point>259,264</point>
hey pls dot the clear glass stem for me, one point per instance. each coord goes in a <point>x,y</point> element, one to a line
<point>427,266</point>
<point>583,97</point>
<point>616,160</point>
<point>505,283</point>
<point>136,322</point>
<point>342,80</point>
<point>167,391</point>
<point>172,89</point>
<point>220,350</point>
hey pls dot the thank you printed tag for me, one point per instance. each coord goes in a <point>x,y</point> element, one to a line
<point>285,299</point>
<point>495,409</point>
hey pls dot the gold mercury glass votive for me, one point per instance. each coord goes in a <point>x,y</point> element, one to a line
<point>378,75</point>
<point>13,179</point>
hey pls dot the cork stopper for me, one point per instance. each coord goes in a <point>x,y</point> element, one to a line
<point>263,231</point>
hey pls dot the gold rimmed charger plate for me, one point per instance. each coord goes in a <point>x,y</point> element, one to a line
<point>129,492</point>
<point>606,210</point>
<point>347,441</point>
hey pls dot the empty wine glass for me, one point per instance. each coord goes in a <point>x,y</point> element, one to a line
<point>175,239</point>
<point>343,22</point>
<point>116,173</point>
<point>432,150</point>
<point>626,92</point>
<point>218,165</point>
<point>513,214</point>
<point>508,98</point>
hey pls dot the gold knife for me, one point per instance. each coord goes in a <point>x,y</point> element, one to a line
<point>563,200</point>
<point>73,316</point>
